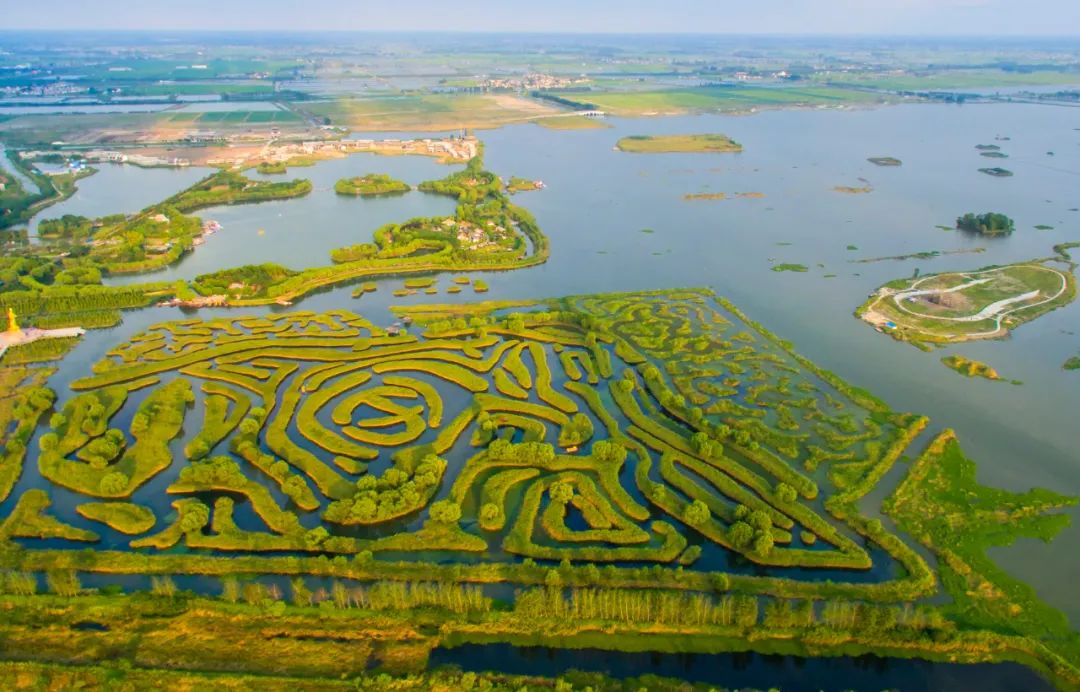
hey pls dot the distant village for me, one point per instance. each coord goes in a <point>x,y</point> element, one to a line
<point>531,82</point>
<point>451,149</point>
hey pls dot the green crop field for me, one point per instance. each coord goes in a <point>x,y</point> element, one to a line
<point>430,111</point>
<point>722,98</point>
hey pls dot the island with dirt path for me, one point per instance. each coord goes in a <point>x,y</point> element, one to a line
<point>962,306</point>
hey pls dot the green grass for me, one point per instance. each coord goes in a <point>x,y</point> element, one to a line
<point>961,79</point>
<point>429,111</point>
<point>125,517</point>
<point>40,351</point>
<point>941,502</point>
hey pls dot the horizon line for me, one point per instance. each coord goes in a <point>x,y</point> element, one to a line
<point>518,32</point>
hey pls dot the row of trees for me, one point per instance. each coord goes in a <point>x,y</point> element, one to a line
<point>397,492</point>
<point>636,606</point>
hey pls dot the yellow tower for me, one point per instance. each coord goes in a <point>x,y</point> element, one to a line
<point>13,326</point>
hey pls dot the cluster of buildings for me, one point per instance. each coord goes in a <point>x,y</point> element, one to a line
<point>50,89</point>
<point>471,236</point>
<point>531,82</point>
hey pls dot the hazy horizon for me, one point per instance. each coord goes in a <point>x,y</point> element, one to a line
<point>900,18</point>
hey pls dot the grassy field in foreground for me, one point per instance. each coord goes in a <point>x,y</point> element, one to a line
<point>671,144</point>
<point>722,98</point>
<point>431,112</point>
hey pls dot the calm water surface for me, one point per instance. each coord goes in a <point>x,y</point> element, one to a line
<point>736,671</point>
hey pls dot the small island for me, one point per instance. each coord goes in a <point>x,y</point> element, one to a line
<point>272,167</point>
<point>961,306</point>
<point>679,144</point>
<point>787,267</point>
<point>987,147</point>
<point>970,368</point>
<point>997,172</point>
<point>994,154</point>
<point>1072,363</point>
<point>885,161</point>
<point>371,185</point>
<point>517,184</point>
<point>990,223</point>
<point>849,190</point>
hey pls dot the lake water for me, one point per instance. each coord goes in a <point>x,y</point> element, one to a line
<point>300,233</point>
<point>121,189</point>
<point>9,168</point>
<point>599,200</point>
<point>739,670</point>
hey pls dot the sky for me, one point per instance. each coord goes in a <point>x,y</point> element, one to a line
<point>901,17</point>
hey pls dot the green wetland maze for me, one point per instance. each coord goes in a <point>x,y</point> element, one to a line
<point>312,493</point>
<point>649,470</point>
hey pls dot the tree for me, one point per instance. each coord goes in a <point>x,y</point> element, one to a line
<point>760,520</point>
<point>315,537</point>
<point>48,442</point>
<point>786,494</point>
<point>763,543</point>
<point>721,582</point>
<point>194,516</point>
<point>198,448</point>
<point>697,513</point>
<point>608,451</point>
<point>740,535</point>
<point>490,513</point>
<point>445,512</point>
<point>561,492</point>
<point>301,594</point>
<point>986,224</point>
<point>113,483</point>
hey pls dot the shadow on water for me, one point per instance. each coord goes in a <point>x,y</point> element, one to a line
<point>747,669</point>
